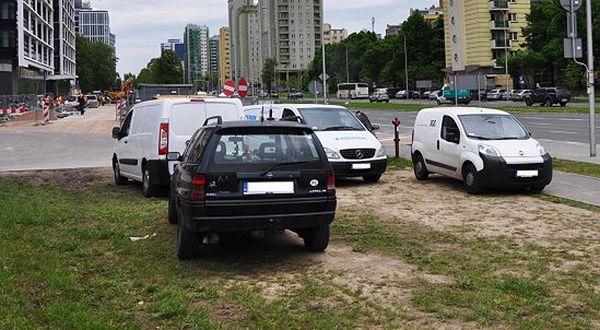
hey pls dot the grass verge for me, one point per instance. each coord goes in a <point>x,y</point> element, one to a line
<point>582,168</point>
<point>395,163</point>
<point>570,202</point>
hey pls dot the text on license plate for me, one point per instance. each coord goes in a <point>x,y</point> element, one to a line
<point>364,166</point>
<point>261,188</point>
<point>527,174</point>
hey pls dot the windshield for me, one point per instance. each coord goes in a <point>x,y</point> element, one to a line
<point>330,119</point>
<point>493,127</point>
<point>265,148</point>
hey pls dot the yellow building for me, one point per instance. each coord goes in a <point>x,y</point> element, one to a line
<point>478,32</point>
<point>224,55</point>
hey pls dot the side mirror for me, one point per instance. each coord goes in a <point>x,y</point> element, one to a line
<point>173,156</point>
<point>116,132</point>
<point>376,127</point>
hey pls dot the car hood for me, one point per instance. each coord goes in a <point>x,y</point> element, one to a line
<point>515,148</point>
<point>340,140</point>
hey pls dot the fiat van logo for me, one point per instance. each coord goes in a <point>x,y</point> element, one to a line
<point>359,154</point>
<point>521,153</point>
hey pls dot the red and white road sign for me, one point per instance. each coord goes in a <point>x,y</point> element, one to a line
<point>229,88</point>
<point>243,88</point>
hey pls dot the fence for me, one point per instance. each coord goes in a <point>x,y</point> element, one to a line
<point>23,108</point>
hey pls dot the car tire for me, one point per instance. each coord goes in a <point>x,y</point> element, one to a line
<point>538,188</point>
<point>148,189</point>
<point>173,216</point>
<point>372,178</point>
<point>439,102</point>
<point>388,101</point>
<point>562,104</point>
<point>119,179</point>
<point>548,102</point>
<point>528,102</point>
<point>471,180</point>
<point>187,243</point>
<point>420,168</point>
<point>316,239</point>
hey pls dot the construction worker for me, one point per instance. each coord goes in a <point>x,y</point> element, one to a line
<point>81,104</point>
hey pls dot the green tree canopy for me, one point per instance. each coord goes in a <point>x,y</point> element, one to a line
<point>166,69</point>
<point>96,65</point>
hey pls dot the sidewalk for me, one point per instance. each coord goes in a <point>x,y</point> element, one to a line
<point>576,187</point>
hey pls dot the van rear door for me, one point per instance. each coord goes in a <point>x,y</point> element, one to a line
<point>186,118</point>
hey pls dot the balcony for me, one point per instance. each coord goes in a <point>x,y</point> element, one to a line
<point>500,43</point>
<point>500,25</point>
<point>499,5</point>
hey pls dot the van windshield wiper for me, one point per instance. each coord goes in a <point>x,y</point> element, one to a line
<point>341,128</point>
<point>270,168</point>
<point>479,137</point>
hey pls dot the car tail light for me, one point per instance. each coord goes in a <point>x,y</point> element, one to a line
<point>163,139</point>
<point>198,188</point>
<point>331,184</point>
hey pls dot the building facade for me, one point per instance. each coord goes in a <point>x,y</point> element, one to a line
<point>430,14</point>
<point>333,36</point>
<point>393,30</point>
<point>224,55</point>
<point>245,43</point>
<point>196,53</point>
<point>493,30</point>
<point>94,25</point>
<point>175,45</point>
<point>64,39</point>
<point>213,57</point>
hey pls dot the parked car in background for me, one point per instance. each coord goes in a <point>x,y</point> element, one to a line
<point>496,94</point>
<point>295,95</point>
<point>92,101</point>
<point>154,128</point>
<point>519,95</point>
<point>391,92</point>
<point>252,176</point>
<point>433,96</point>
<point>379,97</point>
<point>451,96</point>
<point>402,94</point>
<point>425,94</point>
<point>548,96</point>
<point>71,103</point>
<point>415,94</point>
<point>485,148</point>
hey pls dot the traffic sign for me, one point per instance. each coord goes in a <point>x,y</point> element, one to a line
<point>243,88</point>
<point>326,76</point>
<point>229,88</point>
<point>566,4</point>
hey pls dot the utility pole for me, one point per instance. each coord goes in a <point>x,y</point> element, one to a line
<point>590,73</point>
<point>347,68</point>
<point>324,66</point>
<point>405,64</point>
<point>506,46</point>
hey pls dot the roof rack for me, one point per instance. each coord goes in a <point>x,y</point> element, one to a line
<point>218,118</point>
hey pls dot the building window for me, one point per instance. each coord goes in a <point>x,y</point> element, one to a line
<point>512,17</point>
<point>513,36</point>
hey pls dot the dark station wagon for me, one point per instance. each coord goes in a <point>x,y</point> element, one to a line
<point>251,176</point>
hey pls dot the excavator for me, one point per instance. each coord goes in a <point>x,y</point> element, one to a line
<point>126,86</point>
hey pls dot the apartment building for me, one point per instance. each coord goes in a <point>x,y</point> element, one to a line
<point>196,53</point>
<point>64,39</point>
<point>245,41</point>
<point>333,36</point>
<point>478,33</point>
<point>213,54</point>
<point>94,25</point>
<point>224,55</point>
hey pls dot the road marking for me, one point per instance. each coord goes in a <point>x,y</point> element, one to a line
<point>562,132</point>
<point>565,142</point>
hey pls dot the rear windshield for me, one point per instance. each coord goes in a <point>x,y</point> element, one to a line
<point>249,147</point>
<point>330,119</point>
<point>493,127</point>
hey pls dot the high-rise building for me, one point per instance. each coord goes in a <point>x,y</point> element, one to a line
<point>290,33</point>
<point>224,55</point>
<point>213,51</point>
<point>430,14</point>
<point>94,25</point>
<point>246,59</point>
<point>333,36</point>
<point>195,39</point>
<point>493,30</point>
<point>175,45</point>
<point>29,49</point>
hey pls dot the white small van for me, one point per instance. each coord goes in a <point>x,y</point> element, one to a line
<point>154,128</point>
<point>351,148</point>
<point>485,148</point>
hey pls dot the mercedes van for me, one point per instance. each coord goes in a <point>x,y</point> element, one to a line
<point>154,128</point>
<point>351,148</point>
<point>485,148</point>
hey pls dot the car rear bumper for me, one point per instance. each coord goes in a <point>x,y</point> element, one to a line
<point>497,173</point>
<point>345,169</point>
<point>215,216</point>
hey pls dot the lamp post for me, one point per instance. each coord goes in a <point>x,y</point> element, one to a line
<point>405,64</point>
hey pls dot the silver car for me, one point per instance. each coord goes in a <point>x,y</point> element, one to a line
<point>92,101</point>
<point>379,97</point>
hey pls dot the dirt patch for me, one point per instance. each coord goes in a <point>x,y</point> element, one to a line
<point>71,178</point>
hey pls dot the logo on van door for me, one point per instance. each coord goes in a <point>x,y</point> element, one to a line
<point>432,123</point>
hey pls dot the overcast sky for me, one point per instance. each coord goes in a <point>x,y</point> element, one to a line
<point>141,25</point>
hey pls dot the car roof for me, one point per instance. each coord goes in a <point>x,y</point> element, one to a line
<point>264,123</point>
<point>458,111</point>
<point>179,100</point>
<point>303,106</point>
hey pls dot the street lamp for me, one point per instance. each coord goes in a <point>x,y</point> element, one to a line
<point>405,63</point>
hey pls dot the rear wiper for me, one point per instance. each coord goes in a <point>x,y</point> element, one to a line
<point>335,128</point>
<point>270,168</point>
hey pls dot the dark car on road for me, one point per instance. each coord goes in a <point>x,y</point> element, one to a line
<point>548,96</point>
<point>252,176</point>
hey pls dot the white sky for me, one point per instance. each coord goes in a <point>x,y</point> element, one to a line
<point>141,25</point>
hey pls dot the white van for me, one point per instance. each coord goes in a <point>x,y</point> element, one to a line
<point>154,128</point>
<point>351,148</point>
<point>485,148</point>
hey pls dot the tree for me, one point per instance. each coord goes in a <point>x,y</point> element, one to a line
<point>268,73</point>
<point>166,69</point>
<point>96,65</point>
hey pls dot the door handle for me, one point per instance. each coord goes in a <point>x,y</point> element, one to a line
<point>438,144</point>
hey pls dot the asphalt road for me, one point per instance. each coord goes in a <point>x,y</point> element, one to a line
<point>485,103</point>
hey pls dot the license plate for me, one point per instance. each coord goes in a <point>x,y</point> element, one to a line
<point>263,188</point>
<point>564,100</point>
<point>527,174</point>
<point>364,166</point>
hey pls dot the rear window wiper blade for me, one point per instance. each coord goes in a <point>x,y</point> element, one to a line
<point>334,128</point>
<point>270,168</point>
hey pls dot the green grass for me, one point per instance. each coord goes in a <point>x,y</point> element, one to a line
<point>588,169</point>
<point>399,163</point>
<point>570,202</point>
<point>67,262</point>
